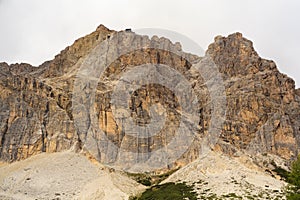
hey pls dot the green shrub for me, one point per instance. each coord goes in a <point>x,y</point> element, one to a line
<point>281,172</point>
<point>294,176</point>
<point>293,197</point>
<point>293,189</point>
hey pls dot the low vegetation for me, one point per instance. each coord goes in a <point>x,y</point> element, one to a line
<point>281,172</point>
<point>293,189</point>
<point>148,179</point>
<point>168,191</point>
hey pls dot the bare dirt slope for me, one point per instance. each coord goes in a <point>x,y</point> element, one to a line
<point>63,175</point>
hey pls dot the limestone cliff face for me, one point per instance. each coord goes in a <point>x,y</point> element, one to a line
<point>263,105</point>
<point>37,113</point>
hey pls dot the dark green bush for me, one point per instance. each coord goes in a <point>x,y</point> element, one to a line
<point>293,190</point>
<point>293,197</point>
<point>281,172</point>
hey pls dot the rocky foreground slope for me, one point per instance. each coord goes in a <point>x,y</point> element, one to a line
<point>64,175</point>
<point>67,175</point>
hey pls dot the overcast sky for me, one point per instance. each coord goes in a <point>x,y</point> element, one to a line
<point>34,31</point>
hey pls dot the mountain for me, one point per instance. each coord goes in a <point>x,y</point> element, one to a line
<point>141,105</point>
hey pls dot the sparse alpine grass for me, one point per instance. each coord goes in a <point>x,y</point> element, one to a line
<point>168,191</point>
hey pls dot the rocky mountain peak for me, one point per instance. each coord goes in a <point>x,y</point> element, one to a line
<point>236,56</point>
<point>67,58</point>
<point>102,28</point>
<point>37,106</point>
<point>235,44</point>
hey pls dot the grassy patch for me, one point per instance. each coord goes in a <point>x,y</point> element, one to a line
<point>149,179</point>
<point>168,191</point>
<point>231,196</point>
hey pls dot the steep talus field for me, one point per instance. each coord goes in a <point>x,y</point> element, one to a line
<point>215,176</point>
<point>63,175</point>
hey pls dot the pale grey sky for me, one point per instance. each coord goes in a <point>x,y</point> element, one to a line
<point>34,31</point>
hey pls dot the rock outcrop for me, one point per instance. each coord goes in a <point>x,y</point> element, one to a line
<point>38,114</point>
<point>262,103</point>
